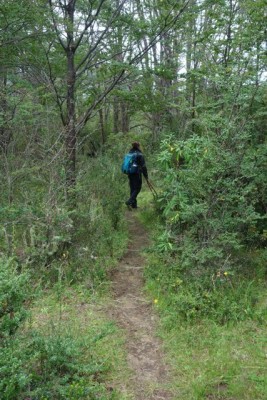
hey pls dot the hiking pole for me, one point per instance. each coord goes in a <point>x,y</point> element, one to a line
<point>151,187</point>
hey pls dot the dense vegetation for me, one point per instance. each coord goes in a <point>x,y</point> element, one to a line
<point>79,80</point>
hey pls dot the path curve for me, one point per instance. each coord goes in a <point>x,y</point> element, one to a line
<point>134,313</point>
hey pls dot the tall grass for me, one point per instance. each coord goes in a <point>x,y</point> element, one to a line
<point>213,326</point>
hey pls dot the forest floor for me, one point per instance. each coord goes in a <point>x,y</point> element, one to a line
<point>134,313</point>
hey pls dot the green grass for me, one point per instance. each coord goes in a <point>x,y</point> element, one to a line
<point>210,360</point>
<point>67,348</point>
<point>75,314</point>
<point>218,362</point>
<point>71,340</point>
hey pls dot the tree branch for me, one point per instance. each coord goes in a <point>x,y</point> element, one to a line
<point>52,80</point>
<point>92,49</point>
<point>122,76</point>
<point>56,27</point>
<point>83,119</point>
<point>88,24</point>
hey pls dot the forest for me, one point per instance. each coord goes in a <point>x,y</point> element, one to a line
<point>80,80</point>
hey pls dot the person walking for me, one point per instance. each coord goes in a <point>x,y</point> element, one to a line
<point>135,177</point>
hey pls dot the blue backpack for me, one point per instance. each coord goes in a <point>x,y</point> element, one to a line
<point>129,165</point>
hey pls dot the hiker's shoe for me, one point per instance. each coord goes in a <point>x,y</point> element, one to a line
<point>128,206</point>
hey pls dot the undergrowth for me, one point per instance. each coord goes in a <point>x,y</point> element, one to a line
<point>213,323</point>
<point>53,344</point>
<point>66,349</point>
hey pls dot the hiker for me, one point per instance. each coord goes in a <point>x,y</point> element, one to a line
<point>134,166</point>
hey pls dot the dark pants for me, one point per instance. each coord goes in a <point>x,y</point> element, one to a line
<point>135,182</point>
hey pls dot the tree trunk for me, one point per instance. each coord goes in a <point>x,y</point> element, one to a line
<point>5,132</point>
<point>116,115</point>
<point>71,134</point>
<point>124,117</point>
<point>102,126</point>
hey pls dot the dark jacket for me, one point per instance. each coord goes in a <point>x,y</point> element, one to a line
<point>140,161</point>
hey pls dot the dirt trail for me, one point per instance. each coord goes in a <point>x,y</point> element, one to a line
<point>134,313</point>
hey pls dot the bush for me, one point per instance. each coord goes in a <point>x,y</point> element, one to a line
<point>213,198</point>
<point>13,294</point>
<point>50,367</point>
<point>99,235</point>
<point>41,231</point>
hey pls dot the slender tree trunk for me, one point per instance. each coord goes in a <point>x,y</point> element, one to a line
<point>5,132</point>
<point>228,45</point>
<point>71,138</point>
<point>124,117</point>
<point>116,115</point>
<point>188,63</point>
<point>71,134</point>
<point>102,126</point>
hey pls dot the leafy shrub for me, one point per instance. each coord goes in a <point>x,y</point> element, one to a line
<point>14,378</point>
<point>42,366</point>
<point>99,235</point>
<point>43,234</point>
<point>13,294</point>
<point>213,198</point>
<point>50,367</point>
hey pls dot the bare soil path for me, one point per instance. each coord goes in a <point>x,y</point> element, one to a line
<point>134,314</point>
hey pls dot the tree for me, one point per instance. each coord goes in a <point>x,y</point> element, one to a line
<point>214,178</point>
<point>82,30</point>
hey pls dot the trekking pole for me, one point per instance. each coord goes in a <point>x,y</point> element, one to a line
<point>151,187</point>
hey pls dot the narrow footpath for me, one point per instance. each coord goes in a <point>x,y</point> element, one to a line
<point>132,311</point>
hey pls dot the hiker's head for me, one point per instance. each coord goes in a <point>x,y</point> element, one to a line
<point>136,145</point>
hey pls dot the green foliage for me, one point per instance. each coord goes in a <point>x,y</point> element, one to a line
<point>223,296</point>
<point>14,378</point>
<point>212,322</point>
<point>51,361</point>
<point>50,367</point>
<point>217,362</point>
<point>99,236</point>
<point>213,197</point>
<point>40,231</point>
<point>13,294</point>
